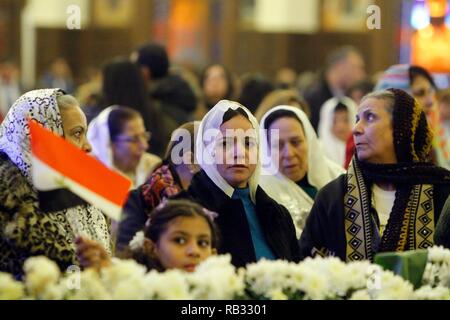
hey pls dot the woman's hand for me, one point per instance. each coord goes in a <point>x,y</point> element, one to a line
<point>91,254</point>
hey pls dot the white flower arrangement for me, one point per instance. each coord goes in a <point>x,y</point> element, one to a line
<point>437,269</point>
<point>42,277</point>
<point>216,278</point>
<point>10,289</point>
<point>169,285</point>
<point>138,241</point>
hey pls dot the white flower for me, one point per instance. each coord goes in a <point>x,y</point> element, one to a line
<point>429,293</point>
<point>90,288</point>
<point>41,275</point>
<point>277,294</point>
<point>394,287</point>
<point>216,279</point>
<point>437,270</point>
<point>264,277</point>
<point>360,295</point>
<point>315,286</point>
<point>121,277</point>
<point>10,289</point>
<point>170,285</point>
<point>138,241</point>
<point>438,254</point>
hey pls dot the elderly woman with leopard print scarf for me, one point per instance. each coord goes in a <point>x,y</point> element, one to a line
<point>31,224</point>
<point>391,197</point>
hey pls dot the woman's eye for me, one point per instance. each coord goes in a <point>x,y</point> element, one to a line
<point>77,135</point>
<point>370,117</point>
<point>296,143</point>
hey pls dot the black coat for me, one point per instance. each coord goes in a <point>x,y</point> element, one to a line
<point>275,220</point>
<point>325,228</point>
<point>133,220</point>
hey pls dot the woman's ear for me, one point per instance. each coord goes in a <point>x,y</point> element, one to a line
<point>214,251</point>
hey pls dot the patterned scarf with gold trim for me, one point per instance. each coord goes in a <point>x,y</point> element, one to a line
<point>410,225</point>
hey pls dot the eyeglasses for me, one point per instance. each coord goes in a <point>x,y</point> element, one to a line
<point>145,136</point>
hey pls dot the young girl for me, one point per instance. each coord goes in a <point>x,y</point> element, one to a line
<point>179,234</point>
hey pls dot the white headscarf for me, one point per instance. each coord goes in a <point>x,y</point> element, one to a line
<point>205,145</point>
<point>100,140</point>
<point>334,147</point>
<point>321,171</point>
<point>40,105</point>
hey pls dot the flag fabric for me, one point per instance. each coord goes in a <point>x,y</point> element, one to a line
<point>58,164</point>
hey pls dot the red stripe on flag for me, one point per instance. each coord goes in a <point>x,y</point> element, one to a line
<point>72,162</point>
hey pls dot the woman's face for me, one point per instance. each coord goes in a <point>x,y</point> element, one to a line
<point>215,86</point>
<point>185,243</point>
<point>341,128</point>
<point>130,145</point>
<point>236,151</point>
<point>293,148</point>
<point>424,92</point>
<point>373,133</point>
<point>75,127</point>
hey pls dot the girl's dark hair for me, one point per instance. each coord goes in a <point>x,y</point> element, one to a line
<point>228,76</point>
<point>159,220</point>
<point>415,71</point>
<point>231,113</point>
<point>118,118</point>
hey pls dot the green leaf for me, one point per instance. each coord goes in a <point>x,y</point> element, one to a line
<point>409,264</point>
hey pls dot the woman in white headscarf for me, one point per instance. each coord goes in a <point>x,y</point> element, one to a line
<point>294,165</point>
<point>119,140</point>
<point>337,117</point>
<point>33,223</point>
<point>252,225</point>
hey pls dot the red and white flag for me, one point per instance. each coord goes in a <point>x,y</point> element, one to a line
<point>58,164</point>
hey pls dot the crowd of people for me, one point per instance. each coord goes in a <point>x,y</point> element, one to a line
<point>257,168</point>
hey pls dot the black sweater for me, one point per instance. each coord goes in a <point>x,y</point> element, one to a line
<point>324,227</point>
<point>275,220</point>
